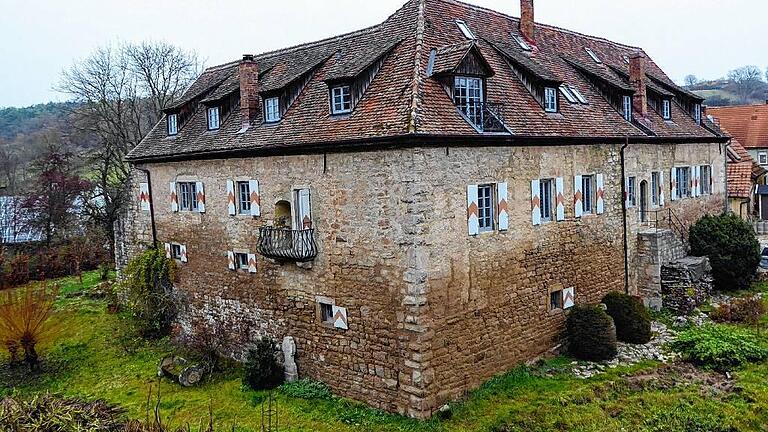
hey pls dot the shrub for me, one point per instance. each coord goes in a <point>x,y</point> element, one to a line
<point>591,333</point>
<point>262,369</point>
<point>148,285</point>
<point>50,413</point>
<point>747,310</point>
<point>24,321</point>
<point>306,388</point>
<point>719,346</point>
<point>632,320</point>
<point>721,314</point>
<point>731,246</point>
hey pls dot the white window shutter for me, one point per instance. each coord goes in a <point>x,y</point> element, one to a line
<point>168,250</point>
<point>661,188</point>
<point>174,198</point>
<point>560,199</point>
<point>600,194</point>
<point>251,263</point>
<point>144,196</point>
<point>340,318</point>
<point>184,253</point>
<point>578,196</point>
<point>697,181</point>
<point>536,202</point>
<point>231,260</point>
<point>627,203</point>
<point>255,198</point>
<point>200,189</point>
<point>231,206</point>
<point>503,201</point>
<point>473,222</point>
<point>673,184</point>
<point>304,210</point>
<point>569,298</point>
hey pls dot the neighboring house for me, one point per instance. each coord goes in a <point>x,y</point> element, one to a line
<point>13,223</point>
<point>749,125</point>
<point>418,203</point>
<point>744,175</point>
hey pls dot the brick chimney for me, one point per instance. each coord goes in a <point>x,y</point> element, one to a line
<point>527,27</point>
<point>637,79</point>
<point>250,108</point>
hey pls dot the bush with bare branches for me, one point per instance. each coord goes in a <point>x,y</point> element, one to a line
<point>25,321</point>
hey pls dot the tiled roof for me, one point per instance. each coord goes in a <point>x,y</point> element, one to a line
<point>740,183</point>
<point>402,101</point>
<point>747,123</point>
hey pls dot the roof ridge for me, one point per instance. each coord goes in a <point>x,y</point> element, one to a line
<point>416,84</point>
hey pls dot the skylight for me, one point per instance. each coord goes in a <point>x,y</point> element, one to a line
<point>626,59</point>
<point>593,55</point>
<point>578,95</point>
<point>567,93</point>
<point>520,41</point>
<point>465,29</point>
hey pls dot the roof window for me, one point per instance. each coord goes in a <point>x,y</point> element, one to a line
<point>465,30</point>
<point>567,93</point>
<point>626,59</point>
<point>520,41</point>
<point>578,95</point>
<point>593,55</point>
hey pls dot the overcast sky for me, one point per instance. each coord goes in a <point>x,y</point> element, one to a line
<point>40,38</point>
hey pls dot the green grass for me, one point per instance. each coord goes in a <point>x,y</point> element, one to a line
<point>90,362</point>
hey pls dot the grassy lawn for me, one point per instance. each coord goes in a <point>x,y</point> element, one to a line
<point>89,361</point>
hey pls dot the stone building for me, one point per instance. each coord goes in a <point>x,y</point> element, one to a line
<point>418,203</point>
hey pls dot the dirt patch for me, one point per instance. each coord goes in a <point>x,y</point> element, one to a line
<point>680,374</point>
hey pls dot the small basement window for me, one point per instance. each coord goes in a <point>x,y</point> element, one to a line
<point>550,99</point>
<point>556,300</point>
<point>213,118</point>
<point>666,109</point>
<point>326,313</point>
<point>627,107</point>
<point>520,41</point>
<point>465,30</point>
<point>272,109</point>
<point>173,124</point>
<point>593,55</point>
<point>176,251</point>
<point>341,99</point>
<point>241,260</point>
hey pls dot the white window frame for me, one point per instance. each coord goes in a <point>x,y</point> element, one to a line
<point>684,189</point>
<point>626,107</point>
<point>214,119</point>
<point>243,201</point>
<point>655,195</point>
<point>705,186</point>
<point>546,197</point>
<point>631,192</point>
<point>550,99</point>
<point>468,97</point>
<point>626,59</point>
<point>175,247</point>
<point>593,55</point>
<point>762,158</point>
<point>522,42</point>
<point>578,94</point>
<point>187,196</point>
<point>326,312</point>
<point>272,109</point>
<point>697,113</point>
<point>588,201</point>
<point>239,265</point>
<point>566,91</point>
<point>464,28</point>
<point>666,109</point>
<point>486,207</point>
<point>173,124</point>
<point>341,99</point>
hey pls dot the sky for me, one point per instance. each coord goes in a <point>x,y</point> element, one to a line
<point>43,37</point>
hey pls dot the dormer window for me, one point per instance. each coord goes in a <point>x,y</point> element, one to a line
<point>627,108</point>
<point>465,30</point>
<point>341,99</point>
<point>697,113</point>
<point>173,124</point>
<point>593,55</point>
<point>468,97</point>
<point>666,109</point>
<point>520,41</point>
<point>213,118</point>
<point>272,109</point>
<point>550,99</point>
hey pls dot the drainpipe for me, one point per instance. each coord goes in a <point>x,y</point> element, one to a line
<point>151,206</point>
<point>624,216</point>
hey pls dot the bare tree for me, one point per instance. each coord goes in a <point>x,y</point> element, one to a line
<point>745,81</point>
<point>691,80</point>
<point>122,92</point>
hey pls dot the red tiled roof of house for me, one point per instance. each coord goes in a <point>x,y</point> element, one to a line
<point>402,101</point>
<point>740,182</point>
<point>747,123</point>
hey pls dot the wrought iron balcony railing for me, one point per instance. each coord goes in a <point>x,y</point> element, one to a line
<point>486,116</point>
<point>287,245</point>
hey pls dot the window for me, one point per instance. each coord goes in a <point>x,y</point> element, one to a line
<point>241,261</point>
<point>550,99</point>
<point>341,99</point>
<point>568,94</point>
<point>697,113</point>
<point>213,118</point>
<point>593,55</point>
<point>762,158</point>
<point>520,41</point>
<point>468,97</point>
<point>187,193</point>
<point>272,109</point>
<point>683,181</point>
<point>626,59</point>
<point>545,191</point>
<point>627,108</point>
<point>655,188</point>
<point>556,300</point>
<point>485,207</point>
<point>465,30</point>
<point>176,251</point>
<point>706,179</point>
<point>173,124</point>
<point>578,94</point>
<point>244,197</point>
<point>666,109</point>
<point>631,192</point>
<point>588,190</point>
<point>326,313</point>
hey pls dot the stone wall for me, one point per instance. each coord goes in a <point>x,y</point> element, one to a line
<point>655,248</point>
<point>686,284</point>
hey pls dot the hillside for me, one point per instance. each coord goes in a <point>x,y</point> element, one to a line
<point>23,121</point>
<point>722,92</point>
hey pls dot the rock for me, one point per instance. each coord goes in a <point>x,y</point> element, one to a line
<point>192,375</point>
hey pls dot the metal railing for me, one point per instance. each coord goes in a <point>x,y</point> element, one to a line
<point>664,219</point>
<point>486,116</point>
<point>287,244</point>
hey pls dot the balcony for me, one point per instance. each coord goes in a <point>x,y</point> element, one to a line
<point>284,244</point>
<point>485,116</point>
